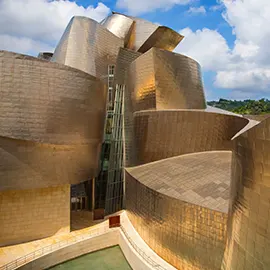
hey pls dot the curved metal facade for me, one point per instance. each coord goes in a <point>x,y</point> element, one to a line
<point>187,235</point>
<point>163,134</point>
<point>248,245</point>
<point>45,131</point>
<point>163,38</point>
<point>143,35</point>
<point>87,46</point>
<point>119,25</point>
<point>162,80</point>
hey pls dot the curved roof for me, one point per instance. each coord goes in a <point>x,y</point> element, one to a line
<point>200,178</point>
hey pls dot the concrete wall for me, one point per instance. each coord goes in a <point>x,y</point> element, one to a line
<point>93,244</point>
<point>28,215</point>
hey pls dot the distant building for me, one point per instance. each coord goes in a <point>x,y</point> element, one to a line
<point>45,55</point>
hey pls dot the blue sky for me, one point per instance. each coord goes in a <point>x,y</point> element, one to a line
<point>229,38</point>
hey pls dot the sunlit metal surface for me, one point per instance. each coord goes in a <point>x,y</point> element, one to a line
<point>163,134</point>
<point>188,236</point>
<point>45,109</point>
<point>159,79</point>
<point>248,244</point>
<point>119,25</point>
<point>88,46</point>
<point>145,35</point>
<point>197,178</point>
<point>163,38</point>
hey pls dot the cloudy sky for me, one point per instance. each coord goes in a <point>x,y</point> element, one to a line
<point>229,38</point>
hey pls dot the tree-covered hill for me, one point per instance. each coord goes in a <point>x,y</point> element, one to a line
<point>248,106</point>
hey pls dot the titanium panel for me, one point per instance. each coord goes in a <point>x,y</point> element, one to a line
<point>49,103</point>
<point>163,38</point>
<point>188,236</point>
<point>145,35</point>
<point>141,31</point>
<point>119,25</point>
<point>30,165</point>
<point>161,80</point>
<point>199,178</point>
<point>164,134</point>
<point>87,46</point>
<point>47,115</point>
<point>248,245</point>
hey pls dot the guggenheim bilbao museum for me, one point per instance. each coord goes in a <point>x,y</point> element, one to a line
<point>114,120</point>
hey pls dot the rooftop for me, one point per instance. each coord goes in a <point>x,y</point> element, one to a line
<point>199,178</point>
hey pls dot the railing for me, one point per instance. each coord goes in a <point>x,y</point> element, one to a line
<point>72,240</point>
<point>147,258</point>
<point>50,248</point>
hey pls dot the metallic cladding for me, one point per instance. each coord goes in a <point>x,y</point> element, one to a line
<point>163,38</point>
<point>198,178</point>
<point>248,244</point>
<point>47,115</point>
<point>188,236</point>
<point>159,79</point>
<point>87,46</point>
<point>145,35</point>
<point>125,57</point>
<point>119,25</point>
<point>140,32</point>
<point>163,134</point>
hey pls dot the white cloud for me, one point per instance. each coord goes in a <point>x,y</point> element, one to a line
<point>216,7</point>
<point>143,6</point>
<point>39,24</point>
<point>197,10</point>
<point>23,44</point>
<point>207,46</point>
<point>244,68</point>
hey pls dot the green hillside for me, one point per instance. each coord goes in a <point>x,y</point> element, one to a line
<point>248,106</point>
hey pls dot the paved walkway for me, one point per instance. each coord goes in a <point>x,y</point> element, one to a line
<point>11,253</point>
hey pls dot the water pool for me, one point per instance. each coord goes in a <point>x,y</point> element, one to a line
<point>106,259</point>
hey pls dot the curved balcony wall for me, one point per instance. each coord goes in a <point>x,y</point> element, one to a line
<point>87,46</point>
<point>47,115</point>
<point>163,80</point>
<point>179,207</point>
<point>163,134</point>
<point>248,245</point>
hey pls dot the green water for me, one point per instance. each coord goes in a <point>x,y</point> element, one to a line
<point>106,259</point>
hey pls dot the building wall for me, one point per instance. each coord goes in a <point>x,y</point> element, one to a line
<point>48,102</point>
<point>51,123</point>
<point>163,134</point>
<point>125,57</point>
<point>163,38</point>
<point>28,165</point>
<point>187,236</point>
<point>162,80</point>
<point>87,46</point>
<point>119,25</point>
<point>27,215</point>
<point>248,245</point>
